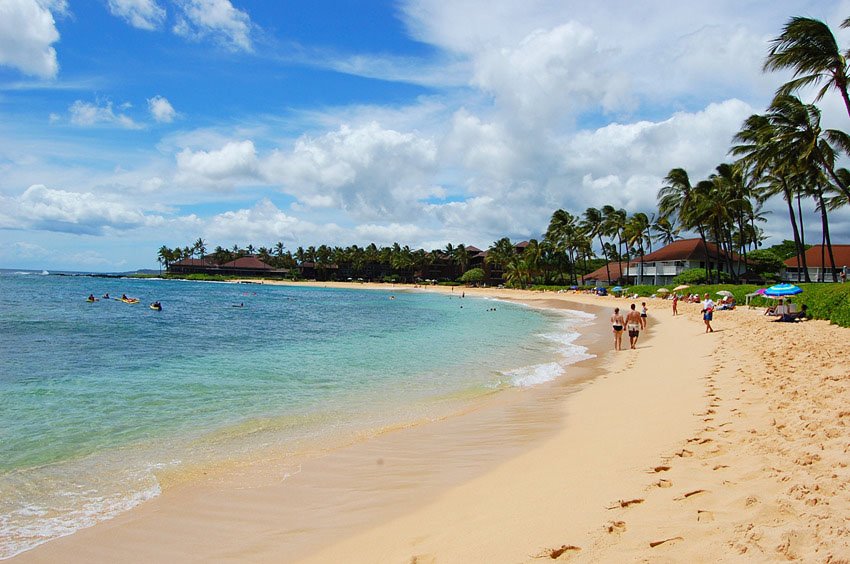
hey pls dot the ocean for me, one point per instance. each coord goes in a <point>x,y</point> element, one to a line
<point>104,403</point>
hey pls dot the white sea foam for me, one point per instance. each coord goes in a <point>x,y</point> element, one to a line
<point>567,351</point>
<point>528,376</point>
<point>35,524</point>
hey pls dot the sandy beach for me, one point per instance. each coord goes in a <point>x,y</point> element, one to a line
<point>730,446</point>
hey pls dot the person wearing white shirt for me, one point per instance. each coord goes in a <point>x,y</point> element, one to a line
<point>707,313</point>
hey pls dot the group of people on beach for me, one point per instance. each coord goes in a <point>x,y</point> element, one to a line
<point>634,322</point>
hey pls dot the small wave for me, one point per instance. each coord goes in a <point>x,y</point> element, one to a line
<point>63,514</point>
<point>528,376</point>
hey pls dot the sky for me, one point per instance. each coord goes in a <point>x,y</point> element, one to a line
<point>126,125</point>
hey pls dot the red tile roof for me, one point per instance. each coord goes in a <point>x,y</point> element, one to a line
<point>193,262</point>
<point>841,253</point>
<point>252,263</point>
<point>601,274</point>
<point>685,249</point>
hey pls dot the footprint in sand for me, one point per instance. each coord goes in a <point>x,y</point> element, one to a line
<point>704,516</point>
<point>555,553</point>
<point>616,527</point>
<point>690,495</point>
<point>423,559</point>
<point>626,503</point>
<point>665,541</point>
<point>662,483</point>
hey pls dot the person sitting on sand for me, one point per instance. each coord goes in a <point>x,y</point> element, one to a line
<point>633,325</point>
<point>618,323</point>
<point>772,310</point>
<point>801,315</point>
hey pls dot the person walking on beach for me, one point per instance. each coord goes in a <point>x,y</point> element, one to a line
<point>707,313</point>
<point>618,324</point>
<point>643,316</point>
<point>675,304</point>
<point>633,325</point>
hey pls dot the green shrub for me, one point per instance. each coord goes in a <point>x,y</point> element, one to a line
<point>697,276</point>
<point>473,276</point>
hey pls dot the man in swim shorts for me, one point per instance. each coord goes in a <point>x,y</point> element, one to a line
<point>633,325</point>
<point>618,323</point>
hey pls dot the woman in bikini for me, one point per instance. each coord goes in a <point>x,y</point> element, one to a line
<point>618,322</point>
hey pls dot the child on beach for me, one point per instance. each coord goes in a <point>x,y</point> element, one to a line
<point>675,304</point>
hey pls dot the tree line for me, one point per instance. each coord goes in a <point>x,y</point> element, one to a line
<point>784,153</point>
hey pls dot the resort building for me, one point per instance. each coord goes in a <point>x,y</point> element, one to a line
<point>818,264</point>
<point>243,266</point>
<point>660,267</point>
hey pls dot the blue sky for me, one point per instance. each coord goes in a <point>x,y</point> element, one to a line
<point>130,124</point>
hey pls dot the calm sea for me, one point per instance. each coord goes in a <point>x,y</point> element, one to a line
<point>99,401</point>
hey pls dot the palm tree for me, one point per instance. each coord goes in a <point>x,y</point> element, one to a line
<point>770,169</point>
<point>562,233</point>
<point>678,199</point>
<point>614,225</point>
<point>592,225</point>
<point>500,254</point>
<point>665,231</point>
<point>808,47</point>
<point>200,247</point>
<point>637,233</point>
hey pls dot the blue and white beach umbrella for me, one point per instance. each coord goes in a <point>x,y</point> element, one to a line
<point>782,290</point>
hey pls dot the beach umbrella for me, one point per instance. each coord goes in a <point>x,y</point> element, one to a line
<point>680,287</point>
<point>617,289</point>
<point>662,291</point>
<point>725,293</point>
<point>782,291</point>
<point>761,291</point>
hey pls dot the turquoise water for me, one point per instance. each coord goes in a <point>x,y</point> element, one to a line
<point>99,399</point>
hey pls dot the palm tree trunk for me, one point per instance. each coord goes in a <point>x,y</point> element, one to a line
<point>802,238</point>
<point>826,239</point>
<point>701,232</point>
<point>795,231</point>
<point>605,256</point>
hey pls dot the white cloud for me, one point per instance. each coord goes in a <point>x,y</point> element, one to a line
<point>161,109</point>
<point>43,208</point>
<point>143,14</point>
<point>264,223</point>
<point>87,114</point>
<point>368,171</point>
<point>551,72</point>
<point>27,35</point>
<point>235,160</point>
<point>218,19</point>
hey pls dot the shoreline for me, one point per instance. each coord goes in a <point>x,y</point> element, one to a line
<point>471,418</point>
<point>729,446</point>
